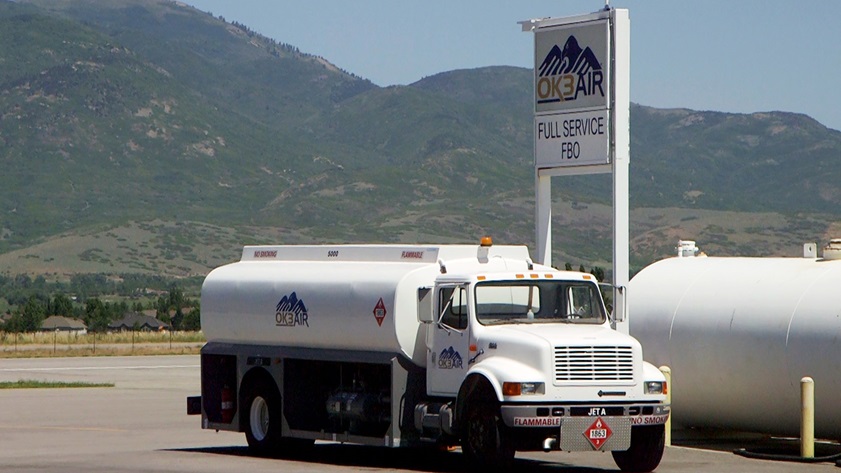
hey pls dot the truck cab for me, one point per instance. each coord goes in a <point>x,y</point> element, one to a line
<point>533,363</point>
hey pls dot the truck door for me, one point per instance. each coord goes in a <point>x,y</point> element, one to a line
<point>448,344</point>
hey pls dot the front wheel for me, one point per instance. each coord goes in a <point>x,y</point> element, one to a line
<point>485,441</point>
<point>647,445</point>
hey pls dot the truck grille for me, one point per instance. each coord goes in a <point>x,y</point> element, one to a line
<point>588,363</point>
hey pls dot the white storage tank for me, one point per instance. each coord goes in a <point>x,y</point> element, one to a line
<point>739,334</point>
<point>342,297</point>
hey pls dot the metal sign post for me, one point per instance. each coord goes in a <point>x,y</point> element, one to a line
<point>582,121</point>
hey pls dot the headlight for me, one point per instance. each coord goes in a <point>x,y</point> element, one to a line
<point>656,387</point>
<point>522,389</point>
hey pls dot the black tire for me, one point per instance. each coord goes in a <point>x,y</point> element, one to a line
<point>261,414</point>
<point>647,445</point>
<point>486,441</point>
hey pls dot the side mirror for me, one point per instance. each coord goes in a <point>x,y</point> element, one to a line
<point>425,314</point>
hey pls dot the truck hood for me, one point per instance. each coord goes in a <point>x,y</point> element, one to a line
<point>566,334</point>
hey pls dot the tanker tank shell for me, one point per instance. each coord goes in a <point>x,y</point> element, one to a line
<point>344,297</point>
<point>739,334</point>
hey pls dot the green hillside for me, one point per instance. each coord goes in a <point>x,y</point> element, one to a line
<point>145,135</point>
<point>774,161</point>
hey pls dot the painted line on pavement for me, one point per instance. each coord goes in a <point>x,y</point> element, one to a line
<point>52,427</point>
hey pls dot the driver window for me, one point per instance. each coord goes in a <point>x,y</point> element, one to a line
<point>453,307</point>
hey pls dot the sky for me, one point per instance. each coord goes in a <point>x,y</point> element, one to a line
<point>732,56</point>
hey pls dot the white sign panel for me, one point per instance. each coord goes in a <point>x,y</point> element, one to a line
<point>571,139</point>
<point>571,67</point>
<point>572,92</point>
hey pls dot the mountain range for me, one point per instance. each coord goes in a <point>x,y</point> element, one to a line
<point>148,136</point>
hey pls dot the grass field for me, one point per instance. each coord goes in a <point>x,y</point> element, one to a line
<point>172,249</point>
<point>39,345</point>
<point>581,235</point>
<point>33,384</point>
<point>62,338</point>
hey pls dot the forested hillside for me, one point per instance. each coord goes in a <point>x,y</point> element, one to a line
<point>147,136</point>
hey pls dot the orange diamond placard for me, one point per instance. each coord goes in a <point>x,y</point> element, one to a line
<point>598,433</point>
<point>379,312</point>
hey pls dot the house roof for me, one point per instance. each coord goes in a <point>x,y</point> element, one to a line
<point>135,319</point>
<point>60,322</point>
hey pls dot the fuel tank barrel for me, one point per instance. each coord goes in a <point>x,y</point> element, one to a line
<point>339,297</point>
<point>739,334</point>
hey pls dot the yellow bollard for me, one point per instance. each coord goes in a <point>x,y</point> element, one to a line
<point>807,417</point>
<point>667,372</point>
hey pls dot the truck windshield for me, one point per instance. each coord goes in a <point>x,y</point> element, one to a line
<point>515,302</point>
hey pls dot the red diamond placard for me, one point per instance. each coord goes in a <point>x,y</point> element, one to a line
<point>379,312</point>
<point>598,433</point>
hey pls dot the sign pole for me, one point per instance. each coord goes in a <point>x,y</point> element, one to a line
<point>582,122</point>
<point>543,217</point>
<point>621,70</point>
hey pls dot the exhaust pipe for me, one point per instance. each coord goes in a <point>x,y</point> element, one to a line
<point>549,443</point>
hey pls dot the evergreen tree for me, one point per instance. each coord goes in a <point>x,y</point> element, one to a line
<point>96,315</point>
<point>61,305</point>
<point>14,324</point>
<point>32,315</point>
<point>176,298</point>
<point>192,321</point>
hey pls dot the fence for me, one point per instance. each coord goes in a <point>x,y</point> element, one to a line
<point>80,344</point>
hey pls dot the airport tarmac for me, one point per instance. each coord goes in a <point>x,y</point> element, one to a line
<point>140,425</point>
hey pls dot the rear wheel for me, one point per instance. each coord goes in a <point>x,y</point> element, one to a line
<point>647,445</point>
<point>485,439</point>
<point>263,422</point>
<point>262,417</point>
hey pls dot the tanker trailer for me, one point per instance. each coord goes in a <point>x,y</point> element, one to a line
<point>739,334</point>
<point>391,345</point>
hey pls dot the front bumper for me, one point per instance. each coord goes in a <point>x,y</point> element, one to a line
<point>584,427</point>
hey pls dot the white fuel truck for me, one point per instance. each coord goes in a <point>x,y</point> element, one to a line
<point>403,345</point>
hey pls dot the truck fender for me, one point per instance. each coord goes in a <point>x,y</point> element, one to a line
<point>475,381</point>
<point>651,372</point>
<point>251,377</point>
<point>488,375</point>
<point>498,370</point>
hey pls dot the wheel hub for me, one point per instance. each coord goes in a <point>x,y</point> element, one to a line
<point>259,418</point>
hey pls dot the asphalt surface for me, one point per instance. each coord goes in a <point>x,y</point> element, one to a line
<point>140,425</point>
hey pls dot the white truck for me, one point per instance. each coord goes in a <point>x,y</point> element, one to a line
<point>396,345</point>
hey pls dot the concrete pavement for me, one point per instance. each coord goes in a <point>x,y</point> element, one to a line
<point>140,425</point>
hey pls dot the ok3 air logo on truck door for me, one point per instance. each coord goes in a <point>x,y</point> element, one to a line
<point>291,312</point>
<point>450,359</point>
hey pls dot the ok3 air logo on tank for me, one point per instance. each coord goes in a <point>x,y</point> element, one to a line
<point>291,312</point>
